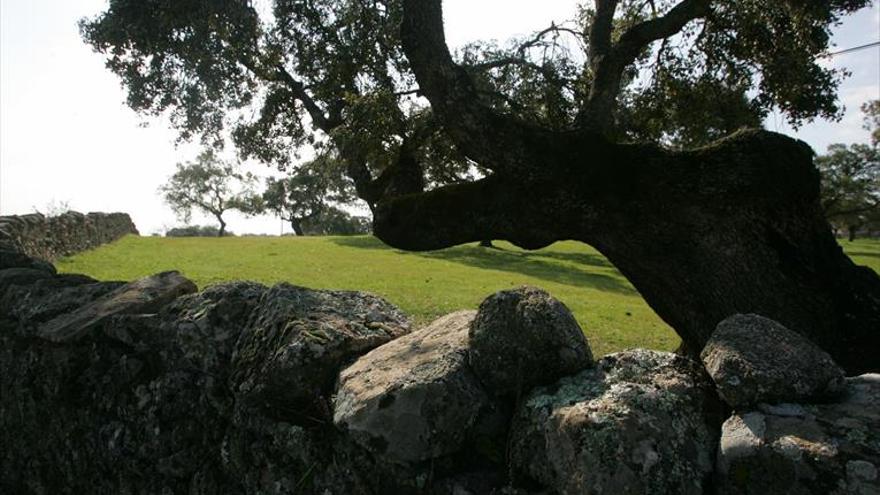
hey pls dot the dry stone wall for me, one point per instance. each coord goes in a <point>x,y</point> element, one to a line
<point>153,387</point>
<point>50,238</point>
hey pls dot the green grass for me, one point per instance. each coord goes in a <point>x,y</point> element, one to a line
<point>864,252</point>
<point>425,285</point>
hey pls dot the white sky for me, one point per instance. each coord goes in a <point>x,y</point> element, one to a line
<point>66,134</point>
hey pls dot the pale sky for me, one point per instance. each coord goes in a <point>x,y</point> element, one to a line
<point>67,136</point>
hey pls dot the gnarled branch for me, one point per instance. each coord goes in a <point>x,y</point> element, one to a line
<point>485,136</point>
<point>490,208</point>
<point>609,61</point>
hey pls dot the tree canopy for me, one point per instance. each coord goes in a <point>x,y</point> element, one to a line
<point>851,178</point>
<point>286,74</point>
<point>336,221</point>
<point>308,196</point>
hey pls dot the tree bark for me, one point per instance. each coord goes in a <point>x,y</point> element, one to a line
<point>732,228</point>
<point>853,230</point>
<point>296,225</point>
<point>222,231</point>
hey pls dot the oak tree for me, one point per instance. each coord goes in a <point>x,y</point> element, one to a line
<point>851,179</point>
<point>308,197</point>
<point>615,129</point>
<point>209,185</point>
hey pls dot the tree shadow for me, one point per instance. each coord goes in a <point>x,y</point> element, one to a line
<point>868,254</point>
<point>359,241</point>
<point>542,265</point>
<point>578,258</point>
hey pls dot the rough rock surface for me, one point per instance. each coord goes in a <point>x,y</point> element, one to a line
<point>228,391</point>
<point>28,301</point>
<point>524,337</point>
<point>10,258</point>
<point>22,276</point>
<point>805,449</point>
<point>206,326</point>
<point>146,295</point>
<point>145,404</point>
<point>754,359</point>
<point>414,398</point>
<point>37,303</point>
<point>640,422</point>
<point>299,339</point>
<point>139,408</point>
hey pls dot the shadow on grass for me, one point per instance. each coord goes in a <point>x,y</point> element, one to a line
<point>868,254</point>
<point>359,241</point>
<point>578,258</point>
<point>542,265</point>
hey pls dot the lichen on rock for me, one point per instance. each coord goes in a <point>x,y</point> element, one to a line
<point>754,359</point>
<point>640,422</point>
<point>829,448</point>
<point>298,340</point>
<point>414,398</point>
<point>524,337</point>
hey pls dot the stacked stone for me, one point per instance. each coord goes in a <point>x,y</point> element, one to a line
<point>798,426</point>
<point>49,238</point>
<point>154,387</point>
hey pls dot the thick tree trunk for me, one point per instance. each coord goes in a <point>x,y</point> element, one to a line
<point>853,230</point>
<point>732,228</point>
<point>296,225</point>
<point>222,231</point>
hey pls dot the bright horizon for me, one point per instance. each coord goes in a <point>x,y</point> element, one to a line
<point>67,135</point>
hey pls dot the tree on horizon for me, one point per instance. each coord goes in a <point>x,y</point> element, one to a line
<point>209,185</point>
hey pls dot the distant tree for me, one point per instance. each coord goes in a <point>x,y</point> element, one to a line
<point>309,196</point>
<point>209,185</point>
<point>871,109</point>
<point>54,208</point>
<point>294,199</point>
<point>334,221</point>
<point>851,179</point>
<point>196,231</point>
<point>850,186</point>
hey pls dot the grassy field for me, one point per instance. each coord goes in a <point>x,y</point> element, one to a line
<point>425,285</point>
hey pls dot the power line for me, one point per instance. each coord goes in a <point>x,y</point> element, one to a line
<point>853,49</point>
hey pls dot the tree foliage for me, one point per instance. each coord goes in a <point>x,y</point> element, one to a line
<point>209,185</point>
<point>306,196</point>
<point>285,74</point>
<point>851,179</point>
<point>335,221</point>
<point>871,109</point>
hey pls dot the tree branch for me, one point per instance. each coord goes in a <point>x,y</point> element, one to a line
<point>609,66</point>
<point>641,35</point>
<point>299,92</point>
<point>493,140</point>
<point>280,74</point>
<point>490,208</point>
<point>600,30</point>
<point>502,62</point>
<point>540,35</point>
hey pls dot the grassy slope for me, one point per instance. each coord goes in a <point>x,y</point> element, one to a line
<point>425,285</point>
